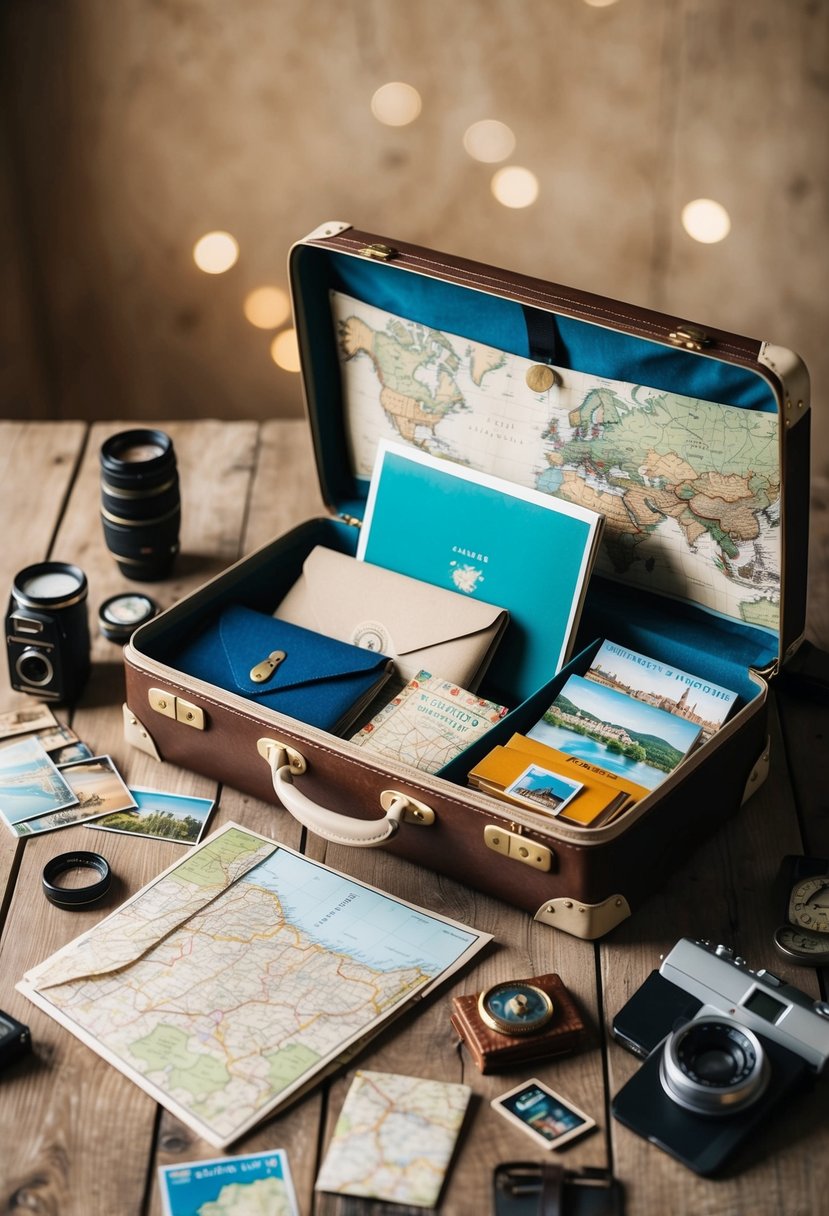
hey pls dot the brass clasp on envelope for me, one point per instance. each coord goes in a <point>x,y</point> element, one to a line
<point>264,670</point>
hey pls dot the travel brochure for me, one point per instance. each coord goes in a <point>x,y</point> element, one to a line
<point>252,1184</point>
<point>480,535</point>
<point>429,723</point>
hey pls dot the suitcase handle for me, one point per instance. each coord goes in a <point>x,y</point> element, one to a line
<point>286,762</point>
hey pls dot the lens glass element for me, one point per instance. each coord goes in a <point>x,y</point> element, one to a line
<point>50,586</point>
<point>713,1066</point>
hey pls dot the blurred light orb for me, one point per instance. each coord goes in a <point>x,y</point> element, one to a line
<point>285,351</point>
<point>489,140</point>
<point>396,104</point>
<point>267,307</point>
<point>514,186</point>
<point>599,3</point>
<point>216,252</point>
<point>706,220</point>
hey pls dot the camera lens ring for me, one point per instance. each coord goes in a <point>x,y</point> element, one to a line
<point>714,1066</point>
<point>26,656</point>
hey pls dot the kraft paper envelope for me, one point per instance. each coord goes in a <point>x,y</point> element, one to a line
<point>421,627</point>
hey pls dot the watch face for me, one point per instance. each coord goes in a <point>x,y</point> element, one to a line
<point>809,904</point>
<point>515,1008</point>
<point>801,946</point>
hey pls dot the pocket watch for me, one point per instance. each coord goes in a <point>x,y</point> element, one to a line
<point>803,883</point>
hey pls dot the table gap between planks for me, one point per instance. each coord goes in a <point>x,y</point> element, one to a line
<point>79,1139</point>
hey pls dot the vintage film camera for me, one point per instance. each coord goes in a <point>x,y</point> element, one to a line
<point>47,631</point>
<point>723,1045</point>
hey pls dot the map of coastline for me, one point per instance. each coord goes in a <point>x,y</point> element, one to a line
<point>232,980</point>
<point>690,489</point>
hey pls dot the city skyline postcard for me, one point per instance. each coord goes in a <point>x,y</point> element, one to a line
<point>703,701</point>
<point>181,818</point>
<point>615,731</point>
<point>30,783</point>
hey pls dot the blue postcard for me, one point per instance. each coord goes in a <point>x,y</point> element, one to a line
<point>30,784</point>
<point>482,536</point>
<point>617,732</point>
<point>258,1182</point>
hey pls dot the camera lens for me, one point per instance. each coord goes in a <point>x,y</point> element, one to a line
<point>714,1067</point>
<point>34,667</point>
<point>140,502</point>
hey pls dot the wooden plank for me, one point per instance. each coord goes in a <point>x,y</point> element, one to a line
<point>68,1111</point>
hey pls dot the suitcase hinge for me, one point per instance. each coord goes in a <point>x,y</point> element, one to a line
<point>380,253</point>
<point>171,706</point>
<point>689,337</point>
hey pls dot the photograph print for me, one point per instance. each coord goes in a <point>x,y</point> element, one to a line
<point>176,817</point>
<point>616,732</point>
<point>30,783</point>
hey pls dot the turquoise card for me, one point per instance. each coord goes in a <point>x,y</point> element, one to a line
<point>482,536</point>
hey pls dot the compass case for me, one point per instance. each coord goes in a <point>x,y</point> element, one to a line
<point>625,410</point>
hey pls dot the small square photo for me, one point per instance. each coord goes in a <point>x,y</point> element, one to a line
<point>543,790</point>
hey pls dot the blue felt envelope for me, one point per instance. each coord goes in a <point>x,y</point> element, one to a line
<point>319,680</point>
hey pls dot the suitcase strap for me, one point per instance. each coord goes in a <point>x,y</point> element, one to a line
<point>286,762</point>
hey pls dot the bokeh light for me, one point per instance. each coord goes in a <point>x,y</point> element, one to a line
<point>600,3</point>
<point>396,104</point>
<point>514,186</point>
<point>706,220</point>
<point>489,140</point>
<point>285,351</point>
<point>267,307</point>
<point>216,252</point>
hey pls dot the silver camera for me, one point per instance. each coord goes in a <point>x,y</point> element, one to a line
<point>722,1045</point>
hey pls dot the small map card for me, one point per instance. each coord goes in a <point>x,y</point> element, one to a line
<point>429,723</point>
<point>258,1184</point>
<point>394,1138</point>
<point>615,732</point>
<point>477,534</point>
<point>702,702</point>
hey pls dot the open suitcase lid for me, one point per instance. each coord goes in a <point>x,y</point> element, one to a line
<point>616,407</point>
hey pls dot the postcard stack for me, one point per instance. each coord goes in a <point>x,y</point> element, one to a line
<point>609,738</point>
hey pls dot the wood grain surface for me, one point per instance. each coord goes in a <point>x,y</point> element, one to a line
<point>79,1139</point>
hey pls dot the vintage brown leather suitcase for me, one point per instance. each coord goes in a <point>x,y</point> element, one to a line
<point>703,566</point>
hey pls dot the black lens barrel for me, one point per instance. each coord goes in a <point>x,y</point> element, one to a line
<point>140,502</point>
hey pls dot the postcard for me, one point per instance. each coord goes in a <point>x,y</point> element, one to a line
<point>702,702</point>
<point>99,786</point>
<point>177,817</point>
<point>56,736</point>
<point>27,718</point>
<point>30,783</point>
<point>70,753</point>
<point>411,1111</point>
<point>543,1114</point>
<point>543,789</point>
<point>429,723</point>
<point>230,1186</point>
<point>615,732</point>
<point>483,536</point>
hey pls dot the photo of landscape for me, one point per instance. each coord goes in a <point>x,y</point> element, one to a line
<point>176,817</point>
<point>30,783</point>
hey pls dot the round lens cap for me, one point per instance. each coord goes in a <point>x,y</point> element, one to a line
<point>120,615</point>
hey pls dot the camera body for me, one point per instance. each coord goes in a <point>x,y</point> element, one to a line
<point>722,1044</point>
<point>47,631</point>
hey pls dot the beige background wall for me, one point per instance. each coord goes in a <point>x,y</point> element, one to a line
<point>133,126</point>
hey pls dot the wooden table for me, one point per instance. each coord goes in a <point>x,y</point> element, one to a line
<point>78,1138</point>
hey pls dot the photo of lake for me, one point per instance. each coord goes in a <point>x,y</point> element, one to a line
<point>615,732</point>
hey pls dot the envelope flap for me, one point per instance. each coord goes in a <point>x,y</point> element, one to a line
<point>344,594</point>
<point>249,637</point>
